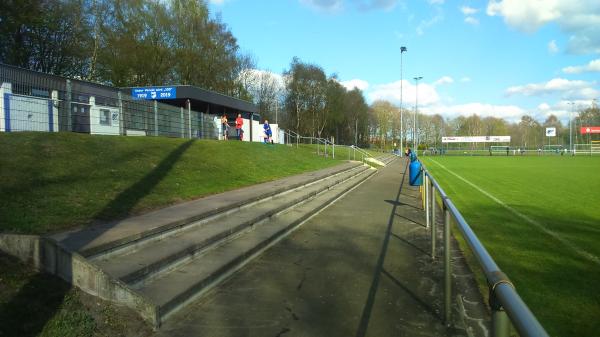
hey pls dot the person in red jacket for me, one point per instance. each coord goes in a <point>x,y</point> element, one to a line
<point>238,126</point>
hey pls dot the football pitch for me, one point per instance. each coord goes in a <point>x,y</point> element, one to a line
<point>539,218</point>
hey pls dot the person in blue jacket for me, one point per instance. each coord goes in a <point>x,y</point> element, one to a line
<point>267,130</point>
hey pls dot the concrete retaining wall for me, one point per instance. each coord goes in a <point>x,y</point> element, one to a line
<point>47,255</point>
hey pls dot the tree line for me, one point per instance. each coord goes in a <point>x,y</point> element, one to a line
<point>124,42</point>
<point>525,133</point>
<point>162,42</point>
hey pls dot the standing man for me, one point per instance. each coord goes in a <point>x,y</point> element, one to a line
<point>238,126</point>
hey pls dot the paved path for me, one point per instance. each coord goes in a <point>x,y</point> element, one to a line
<point>358,268</point>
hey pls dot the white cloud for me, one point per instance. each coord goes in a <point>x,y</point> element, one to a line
<point>436,2</point>
<point>466,10</point>
<point>334,6</point>
<point>424,24</point>
<point>593,66</point>
<point>444,80</point>
<point>508,112</point>
<point>552,47</point>
<point>330,6</point>
<point>465,79</point>
<point>568,89</point>
<point>391,92</point>
<point>580,19</point>
<point>355,83</point>
<point>471,20</point>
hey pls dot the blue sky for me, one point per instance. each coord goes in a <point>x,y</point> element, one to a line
<point>501,58</point>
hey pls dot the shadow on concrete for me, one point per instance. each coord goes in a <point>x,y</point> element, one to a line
<point>398,203</point>
<point>412,294</point>
<point>368,308</point>
<point>408,243</point>
<point>411,220</point>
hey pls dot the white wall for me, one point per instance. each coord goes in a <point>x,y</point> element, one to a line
<point>28,113</point>
<point>96,127</point>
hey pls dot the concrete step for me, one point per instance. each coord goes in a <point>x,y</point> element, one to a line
<point>172,289</point>
<point>113,236</point>
<point>148,258</point>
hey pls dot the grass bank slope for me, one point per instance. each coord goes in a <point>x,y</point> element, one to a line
<point>51,182</point>
<point>551,250</point>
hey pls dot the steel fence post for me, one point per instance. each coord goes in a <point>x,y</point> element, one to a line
<point>155,118</point>
<point>447,268</point>
<point>433,226</point>
<point>68,105</point>
<point>500,323</point>
<point>121,117</point>
<point>426,194</point>
<point>182,123</point>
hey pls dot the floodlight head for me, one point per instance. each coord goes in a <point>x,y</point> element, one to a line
<point>403,49</point>
<point>418,78</point>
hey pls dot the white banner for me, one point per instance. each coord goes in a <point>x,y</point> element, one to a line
<point>550,132</point>
<point>477,139</point>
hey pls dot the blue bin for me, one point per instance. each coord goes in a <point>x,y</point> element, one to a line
<point>415,175</point>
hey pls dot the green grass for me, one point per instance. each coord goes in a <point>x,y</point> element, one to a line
<point>560,193</point>
<point>52,182</point>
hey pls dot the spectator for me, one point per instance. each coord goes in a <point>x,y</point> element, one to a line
<point>267,130</point>
<point>224,126</point>
<point>238,126</point>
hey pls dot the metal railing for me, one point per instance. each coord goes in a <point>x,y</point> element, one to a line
<point>505,303</point>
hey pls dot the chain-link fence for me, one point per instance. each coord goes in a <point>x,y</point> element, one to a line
<point>33,101</point>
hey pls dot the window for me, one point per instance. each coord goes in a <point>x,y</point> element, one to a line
<point>105,117</point>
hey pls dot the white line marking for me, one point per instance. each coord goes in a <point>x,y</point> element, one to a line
<point>534,222</point>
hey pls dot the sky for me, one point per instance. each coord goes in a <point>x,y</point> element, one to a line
<point>501,58</point>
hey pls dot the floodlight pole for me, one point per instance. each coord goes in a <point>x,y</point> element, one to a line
<point>571,127</point>
<point>402,50</point>
<point>415,141</point>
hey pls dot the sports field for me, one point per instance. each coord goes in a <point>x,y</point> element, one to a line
<point>539,217</point>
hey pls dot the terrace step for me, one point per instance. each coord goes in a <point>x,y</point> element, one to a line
<point>114,236</point>
<point>175,287</point>
<point>143,259</point>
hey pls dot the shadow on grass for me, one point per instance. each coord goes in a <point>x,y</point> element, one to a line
<point>41,297</point>
<point>122,205</point>
<point>126,200</point>
<point>36,302</point>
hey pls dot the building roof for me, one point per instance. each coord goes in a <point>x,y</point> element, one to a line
<point>193,93</point>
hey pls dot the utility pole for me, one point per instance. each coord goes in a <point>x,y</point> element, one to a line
<point>402,50</point>
<point>571,127</point>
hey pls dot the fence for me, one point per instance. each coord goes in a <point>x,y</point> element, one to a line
<point>33,101</point>
<point>505,303</point>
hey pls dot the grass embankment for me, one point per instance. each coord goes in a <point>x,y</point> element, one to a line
<point>52,182</point>
<point>556,274</point>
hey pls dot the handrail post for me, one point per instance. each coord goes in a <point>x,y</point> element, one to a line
<point>447,268</point>
<point>426,194</point>
<point>500,323</point>
<point>500,320</point>
<point>433,226</point>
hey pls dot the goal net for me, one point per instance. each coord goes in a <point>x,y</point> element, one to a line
<point>553,149</point>
<point>595,147</point>
<point>499,150</point>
